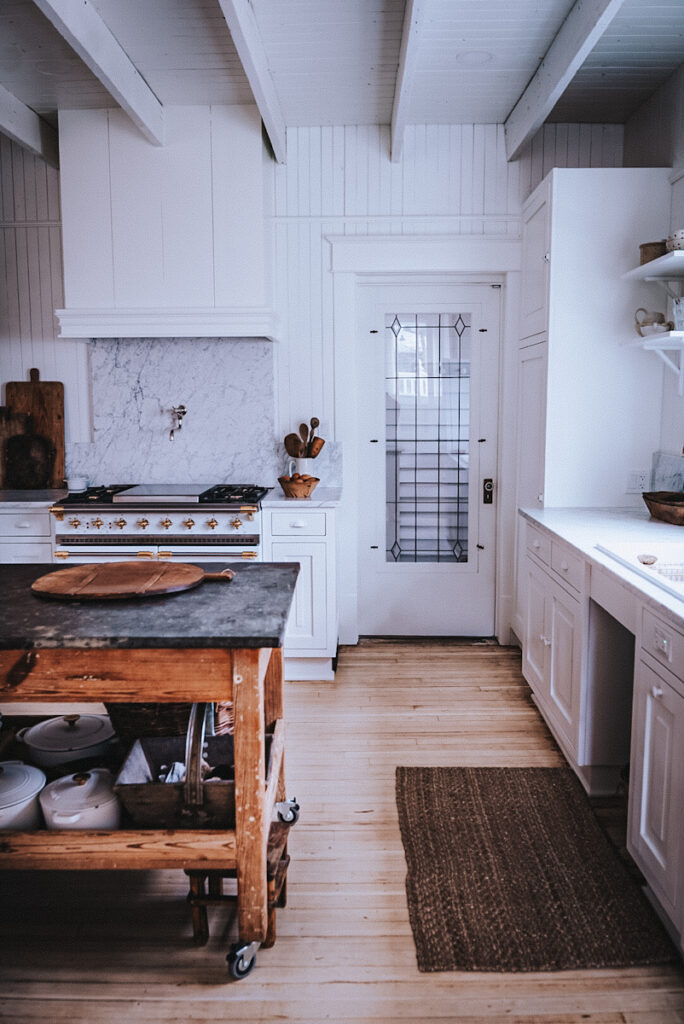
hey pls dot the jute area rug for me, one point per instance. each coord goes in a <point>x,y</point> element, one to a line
<point>509,870</point>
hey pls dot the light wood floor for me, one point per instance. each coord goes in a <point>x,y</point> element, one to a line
<point>108,947</point>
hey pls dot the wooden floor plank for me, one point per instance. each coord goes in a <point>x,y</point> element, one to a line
<point>106,946</point>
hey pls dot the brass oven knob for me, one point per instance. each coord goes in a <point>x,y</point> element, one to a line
<point>212,523</point>
<point>143,523</point>
<point>120,523</point>
<point>250,517</point>
<point>237,523</point>
<point>75,523</point>
<point>166,523</point>
<point>189,523</point>
<point>97,523</point>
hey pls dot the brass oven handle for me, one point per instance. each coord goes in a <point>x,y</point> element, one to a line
<point>248,554</point>
<point>145,554</point>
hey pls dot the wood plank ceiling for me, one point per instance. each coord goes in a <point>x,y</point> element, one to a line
<point>337,62</point>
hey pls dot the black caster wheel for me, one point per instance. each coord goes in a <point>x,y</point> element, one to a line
<point>238,966</point>
<point>290,816</point>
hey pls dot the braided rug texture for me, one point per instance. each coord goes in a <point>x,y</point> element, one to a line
<point>509,870</point>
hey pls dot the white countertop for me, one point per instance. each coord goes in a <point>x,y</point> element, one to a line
<point>583,529</point>
<point>322,497</point>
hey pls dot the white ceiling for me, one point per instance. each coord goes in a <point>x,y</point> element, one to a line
<point>326,62</point>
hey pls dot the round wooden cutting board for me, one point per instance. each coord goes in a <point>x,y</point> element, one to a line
<point>123,579</point>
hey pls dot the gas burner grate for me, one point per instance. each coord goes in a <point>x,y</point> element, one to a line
<point>247,494</point>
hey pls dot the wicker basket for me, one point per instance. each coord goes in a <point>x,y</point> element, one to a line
<point>131,721</point>
<point>298,488</point>
<point>651,251</point>
<point>668,506</point>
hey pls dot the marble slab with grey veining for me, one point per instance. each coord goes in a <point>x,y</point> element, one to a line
<point>227,434</point>
<point>250,611</point>
<point>667,472</point>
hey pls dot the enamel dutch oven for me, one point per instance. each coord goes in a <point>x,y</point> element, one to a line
<point>83,800</point>
<point>69,738</point>
<point>20,785</point>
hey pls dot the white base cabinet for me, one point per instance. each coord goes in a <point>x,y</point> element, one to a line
<point>307,537</point>
<point>25,536</point>
<point>656,793</point>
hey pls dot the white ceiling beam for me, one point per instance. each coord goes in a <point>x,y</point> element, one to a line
<point>247,39</point>
<point>85,31</point>
<point>576,38</point>
<point>408,63</point>
<point>22,125</point>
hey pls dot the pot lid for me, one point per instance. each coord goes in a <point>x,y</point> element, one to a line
<point>69,732</point>
<point>79,792</point>
<point>19,782</point>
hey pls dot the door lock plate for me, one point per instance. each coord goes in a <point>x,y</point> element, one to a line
<point>487,491</point>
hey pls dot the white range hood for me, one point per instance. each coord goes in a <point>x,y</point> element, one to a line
<point>164,241</point>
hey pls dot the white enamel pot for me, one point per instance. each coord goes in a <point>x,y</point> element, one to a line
<point>67,738</point>
<point>20,785</point>
<point>84,800</point>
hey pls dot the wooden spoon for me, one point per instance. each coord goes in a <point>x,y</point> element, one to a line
<point>315,447</point>
<point>315,422</point>
<point>293,446</point>
<point>304,434</point>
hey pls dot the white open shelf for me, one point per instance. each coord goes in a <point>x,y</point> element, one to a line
<point>665,270</point>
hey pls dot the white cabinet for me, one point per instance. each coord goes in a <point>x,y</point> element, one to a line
<point>307,536</point>
<point>536,257</point>
<point>25,536</point>
<point>656,792</point>
<point>552,647</point>
<point>589,407</point>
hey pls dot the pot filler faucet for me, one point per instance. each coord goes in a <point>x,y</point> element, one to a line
<point>177,414</point>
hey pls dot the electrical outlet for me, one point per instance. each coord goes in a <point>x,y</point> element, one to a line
<point>637,481</point>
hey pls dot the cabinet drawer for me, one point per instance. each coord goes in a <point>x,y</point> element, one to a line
<point>24,524</point>
<point>298,524</point>
<point>538,544</point>
<point>568,565</point>
<point>29,551</point>
<point>663,643</point>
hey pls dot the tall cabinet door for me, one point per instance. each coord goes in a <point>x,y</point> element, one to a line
<point>564,667</point>
<point>657,786</point>
<point>536,642</point>
<point>536,236</point>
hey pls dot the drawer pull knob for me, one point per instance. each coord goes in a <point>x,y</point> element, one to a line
<point>297,526</point>
<point>656,691</point>
<point>23,526</point>
<point>564,566</point>
<point>546,640</point>
<point>536,544</point>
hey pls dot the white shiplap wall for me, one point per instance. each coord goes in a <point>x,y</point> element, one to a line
<point>453,179</point>
<point>31,286</point>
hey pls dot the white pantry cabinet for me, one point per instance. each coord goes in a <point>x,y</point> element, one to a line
<point>307,536</point>
<point>592,402</point>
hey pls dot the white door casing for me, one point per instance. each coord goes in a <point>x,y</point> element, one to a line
<point>424,589</point>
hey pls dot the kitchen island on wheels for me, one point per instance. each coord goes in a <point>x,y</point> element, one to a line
<point>217,642</point>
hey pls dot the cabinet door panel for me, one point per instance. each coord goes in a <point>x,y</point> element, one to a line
<point>535,268</point>
<point>17,552</point>
<point>532,371</point>
<point>656,789</point>
<point>564,678</point>
<point>536,649</point>
<point>306,626</point>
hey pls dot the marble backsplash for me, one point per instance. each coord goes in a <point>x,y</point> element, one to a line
<point>667,472</point>
<point>228,433</point>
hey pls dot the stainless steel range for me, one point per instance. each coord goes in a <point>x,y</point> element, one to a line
<point>197,523</point>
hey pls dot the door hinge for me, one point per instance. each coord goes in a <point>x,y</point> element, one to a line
<point>480,547</point>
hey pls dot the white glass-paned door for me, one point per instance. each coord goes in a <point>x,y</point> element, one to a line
<point>427,437</point>
<point>427,400</point>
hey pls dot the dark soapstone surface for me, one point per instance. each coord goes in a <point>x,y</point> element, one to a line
<point>250,611</point>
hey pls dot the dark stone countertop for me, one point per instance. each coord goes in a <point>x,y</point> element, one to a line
<point>250,611</point>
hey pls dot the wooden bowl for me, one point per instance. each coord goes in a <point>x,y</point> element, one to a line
<point>298,488</point>
<point>668,506</point>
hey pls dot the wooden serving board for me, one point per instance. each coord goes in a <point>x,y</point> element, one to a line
<point>111,580</point>
<point>43,401</point>
<point>11,424</point>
